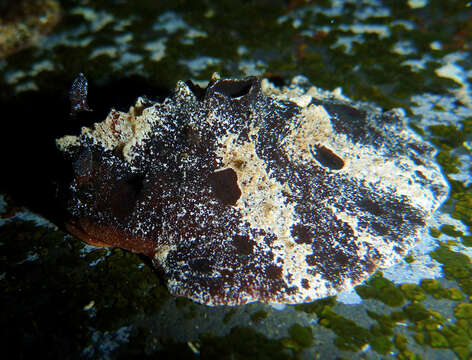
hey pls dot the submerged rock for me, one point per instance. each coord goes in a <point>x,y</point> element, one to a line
<point>246,192</point>
<point>25,22</point>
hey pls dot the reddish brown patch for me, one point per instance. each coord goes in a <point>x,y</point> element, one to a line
<point>107,236</point>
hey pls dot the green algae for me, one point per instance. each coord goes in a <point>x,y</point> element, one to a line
<point>437,340</point>
<point>96,255</point>
<point>381,334</point>
<point>416,312</point>
<point>381,344</point>
<point>242,343</point>
<point>447,136</point>
<point>456,266</point>
<point>229,315</point>
<point>463,208</point>
<point>398,316</point>
<point>279,44</point>
<point>462,352</point>
<point>434,288</point>
<point>259,316</point>
<point>421,338</point>
<point>301,335</point>
<point>413,292</point>
<point>417,129</point>
<point>455,294</point>
<point>431,329</point>
<point>450,230</point>
<point>449,162</point>
<point>102,296</point>
<point>316,307</point>
<point>25,23</point>
<point>458,340</point>
<point>400,341</point>
<point>463,311</point>
<point>467,240</point>
<point>385,324</point>
<point>379,288</point>
<point>435,233</point>
<point>350,336</point>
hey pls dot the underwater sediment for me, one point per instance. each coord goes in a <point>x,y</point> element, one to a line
<point>245,192</point>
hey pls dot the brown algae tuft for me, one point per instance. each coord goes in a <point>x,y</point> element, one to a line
<point>245,192</point>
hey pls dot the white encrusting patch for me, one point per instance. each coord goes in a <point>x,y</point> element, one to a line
<point>118,130</point>
<point>162,252</point>
<point>262,203</point>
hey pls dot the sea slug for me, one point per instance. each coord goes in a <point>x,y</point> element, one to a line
<point>245,192</point>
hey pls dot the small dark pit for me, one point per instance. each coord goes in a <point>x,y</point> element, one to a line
<point>380,229</point>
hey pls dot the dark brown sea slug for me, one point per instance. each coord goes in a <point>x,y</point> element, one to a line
<point>246,192</point>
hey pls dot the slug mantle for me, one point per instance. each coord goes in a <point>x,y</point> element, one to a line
<point>245,192</point>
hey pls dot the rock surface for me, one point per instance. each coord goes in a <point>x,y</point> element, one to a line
<point>23,23</point>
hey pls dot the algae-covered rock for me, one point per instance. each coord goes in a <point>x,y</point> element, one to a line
<point>24,22</point>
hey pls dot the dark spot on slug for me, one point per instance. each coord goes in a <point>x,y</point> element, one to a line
<point>305,284</point>
<point>124,196</point>
<point>327,157</point>
<point>302,234</point>
<point>243,244</point>
<point>201,265</point>
<point>273,272</point>
<point>370,206</point>
<point>224,184</point>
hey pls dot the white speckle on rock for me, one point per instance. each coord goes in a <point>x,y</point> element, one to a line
<point>197,65</point>
<point>13,76</point>
<point>26,86</point>
<point>157,49</point>
<point>123,38</point>
<point>97,19</point>
<point>170,22</point>
<point>416,4</point>
<point>109,51</point>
